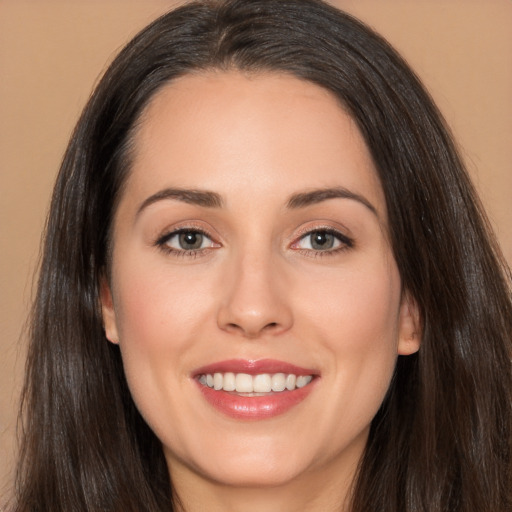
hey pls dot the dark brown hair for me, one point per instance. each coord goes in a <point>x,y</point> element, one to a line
<point>441,440</point>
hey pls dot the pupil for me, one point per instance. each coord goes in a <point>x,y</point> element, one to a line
<point>322,240</point>
<point>191,240</point>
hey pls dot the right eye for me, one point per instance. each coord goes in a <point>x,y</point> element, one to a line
<point>186,241</point>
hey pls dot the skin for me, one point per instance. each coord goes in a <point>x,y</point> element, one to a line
<point>257,289</point>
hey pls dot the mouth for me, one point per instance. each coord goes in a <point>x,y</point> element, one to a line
<point>254,390</point>
<point>254,385</point>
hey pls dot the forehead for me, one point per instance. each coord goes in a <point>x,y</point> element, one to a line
<point>233,132</point>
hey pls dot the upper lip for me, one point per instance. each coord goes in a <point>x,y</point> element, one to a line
<point>253,367</point>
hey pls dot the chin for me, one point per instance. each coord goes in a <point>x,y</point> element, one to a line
<point>239,467</point>
<point>242,475</point>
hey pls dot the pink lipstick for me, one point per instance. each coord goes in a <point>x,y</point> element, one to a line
<point>253,390</point>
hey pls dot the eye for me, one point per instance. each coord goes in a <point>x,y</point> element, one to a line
<point>186,241</point>
<point>323,240</point>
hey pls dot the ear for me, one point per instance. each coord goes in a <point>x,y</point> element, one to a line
<point>409,328</point>
<point>107,311</point>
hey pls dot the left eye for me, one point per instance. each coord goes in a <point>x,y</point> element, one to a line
<point>189,240</point>
<point>321,240</point>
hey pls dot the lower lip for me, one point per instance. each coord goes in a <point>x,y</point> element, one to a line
<point>255,407</point>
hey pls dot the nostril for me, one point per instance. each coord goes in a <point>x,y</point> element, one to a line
<point>252,332</point>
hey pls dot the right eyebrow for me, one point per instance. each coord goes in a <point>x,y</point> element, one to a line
<point>203,198</point>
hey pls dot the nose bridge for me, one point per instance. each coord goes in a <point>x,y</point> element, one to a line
<point>254,300</point>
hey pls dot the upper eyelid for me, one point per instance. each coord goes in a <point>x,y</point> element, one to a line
<point>167,236</point>
<point>184,227</point>
<point>188,230</point>
<point>343,239</point>
<point>307,230</point>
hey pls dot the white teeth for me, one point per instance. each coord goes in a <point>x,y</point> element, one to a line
<point>243,383</point>
<point>302,380</point>
<point>217,381</point>
<point>278,382</point>
<point>229,382</point>
<point>261,383</point>
<point>290,381</point>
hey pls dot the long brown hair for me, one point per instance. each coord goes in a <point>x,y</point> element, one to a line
<point>442,439</point>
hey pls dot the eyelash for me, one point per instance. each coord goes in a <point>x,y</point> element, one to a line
<point>162,243</point>
<point>346,243</point>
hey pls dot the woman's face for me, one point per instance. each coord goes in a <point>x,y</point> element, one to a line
<point>251,253</point>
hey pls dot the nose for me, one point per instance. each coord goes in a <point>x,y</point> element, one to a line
<point>254,301</point>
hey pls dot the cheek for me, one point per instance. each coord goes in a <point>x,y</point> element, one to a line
<point>158,317</point>
<point>354,316</point>
<point>154,305</point>
<point>357,309</point>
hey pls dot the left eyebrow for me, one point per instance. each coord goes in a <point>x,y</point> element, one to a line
<point>310,197</point>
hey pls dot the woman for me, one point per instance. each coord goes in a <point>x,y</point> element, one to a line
<point>267,284</point>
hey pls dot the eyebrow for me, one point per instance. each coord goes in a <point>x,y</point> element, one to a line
<point>208,199</point>
<point>303,199</point>
<point>203,198</point>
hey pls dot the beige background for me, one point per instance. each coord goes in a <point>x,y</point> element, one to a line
<point>51,53</point>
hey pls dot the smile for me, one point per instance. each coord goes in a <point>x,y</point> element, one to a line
<point>254,384</point>
<point>254,390</point>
